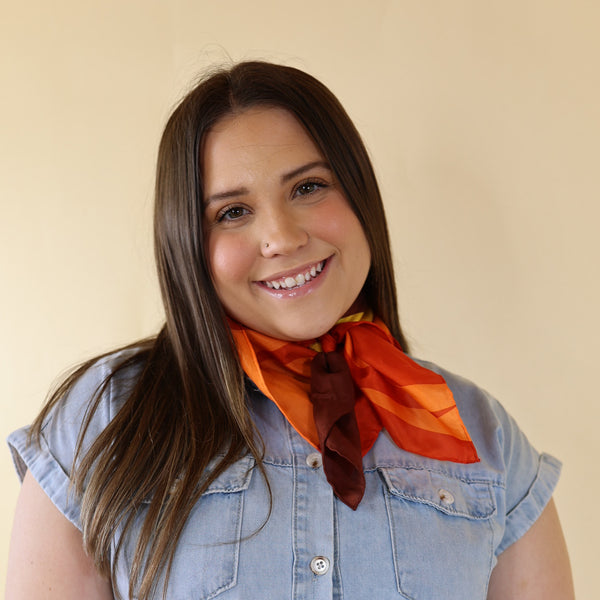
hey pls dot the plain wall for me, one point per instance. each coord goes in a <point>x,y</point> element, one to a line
<point>483,121</point>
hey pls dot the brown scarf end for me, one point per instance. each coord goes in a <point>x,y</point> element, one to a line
<point>333,397</point>
<point>351,497</point>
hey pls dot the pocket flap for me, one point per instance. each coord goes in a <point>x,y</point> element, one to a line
<point>235,478</point>
<point>451,495</point>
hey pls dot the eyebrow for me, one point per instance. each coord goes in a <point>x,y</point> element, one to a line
<point>241,191</point>
<point>225,195</point>
<point>307,167</point>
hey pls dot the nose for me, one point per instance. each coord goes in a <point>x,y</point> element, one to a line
<point>282,233</point>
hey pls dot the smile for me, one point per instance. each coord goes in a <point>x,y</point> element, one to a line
<point>291,282</point>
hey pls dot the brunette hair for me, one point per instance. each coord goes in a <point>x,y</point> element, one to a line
<point>188,404</point>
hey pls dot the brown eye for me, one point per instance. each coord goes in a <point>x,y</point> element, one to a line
<point>231,213</point>
<point>309,187</point>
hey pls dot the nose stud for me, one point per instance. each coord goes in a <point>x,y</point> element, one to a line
<point>266,244</point>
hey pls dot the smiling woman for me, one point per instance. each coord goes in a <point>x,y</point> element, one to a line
<point>277,413</point>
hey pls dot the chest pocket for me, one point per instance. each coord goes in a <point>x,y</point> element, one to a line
<point>207,556</point>
<point>441,533</point>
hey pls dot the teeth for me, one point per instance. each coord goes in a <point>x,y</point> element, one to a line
<point>298,280</point>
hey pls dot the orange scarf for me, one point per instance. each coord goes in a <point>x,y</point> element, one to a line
<point>392,392</point>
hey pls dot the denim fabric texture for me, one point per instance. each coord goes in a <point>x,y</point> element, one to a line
<point>425,529</point>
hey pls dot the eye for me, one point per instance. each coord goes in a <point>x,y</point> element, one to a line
<point>231,213</point>
<point>308,187</point>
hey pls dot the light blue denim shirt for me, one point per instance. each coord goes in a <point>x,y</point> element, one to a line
<point>425,529</point>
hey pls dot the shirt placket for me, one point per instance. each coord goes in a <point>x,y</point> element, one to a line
<point>313,525</point>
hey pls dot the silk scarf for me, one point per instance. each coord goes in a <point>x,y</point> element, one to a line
<point>340,391</point>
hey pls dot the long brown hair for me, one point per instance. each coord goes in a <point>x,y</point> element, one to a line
<point>187,404</point>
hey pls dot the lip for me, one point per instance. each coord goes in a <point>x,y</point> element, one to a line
<point>301,290</point>
<point>294,271</point>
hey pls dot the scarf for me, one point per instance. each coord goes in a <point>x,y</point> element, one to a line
<point>340,391</point>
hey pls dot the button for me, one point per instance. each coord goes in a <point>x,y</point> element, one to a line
<point>319,565</point>
<point>446,497</point>
<point>314,460</point>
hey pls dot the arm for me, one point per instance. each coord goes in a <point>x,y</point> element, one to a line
<point>535,567</point>
<point>46,558</point>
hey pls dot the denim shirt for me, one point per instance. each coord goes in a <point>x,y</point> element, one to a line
<point>425,529</point>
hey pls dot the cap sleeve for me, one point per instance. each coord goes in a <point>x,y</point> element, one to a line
<point>531,478</point>
<point>51,461</point>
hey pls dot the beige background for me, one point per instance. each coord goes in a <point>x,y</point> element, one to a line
<point>483,119</point>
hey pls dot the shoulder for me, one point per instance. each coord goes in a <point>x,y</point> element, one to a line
<point>487,421</point>
<point>91,398</point>
<point>525,476</point>
<point>88,401</point>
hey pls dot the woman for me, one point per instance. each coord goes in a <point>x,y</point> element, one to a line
<point>274,440</point>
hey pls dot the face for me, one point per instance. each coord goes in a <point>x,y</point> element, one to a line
<point>287,254</point>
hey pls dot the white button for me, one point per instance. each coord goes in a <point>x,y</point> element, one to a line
<point>314,460</point>
<point>446,497</point>
<point>319,565</point>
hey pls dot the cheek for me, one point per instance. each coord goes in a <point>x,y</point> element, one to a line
<point>230,260</point>
<point>338,223</point>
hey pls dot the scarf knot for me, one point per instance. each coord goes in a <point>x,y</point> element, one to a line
<point>330,341</point>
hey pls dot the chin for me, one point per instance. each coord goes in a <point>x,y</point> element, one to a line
<point>303,332</point>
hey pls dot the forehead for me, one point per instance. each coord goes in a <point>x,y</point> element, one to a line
<point>258,133</point>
